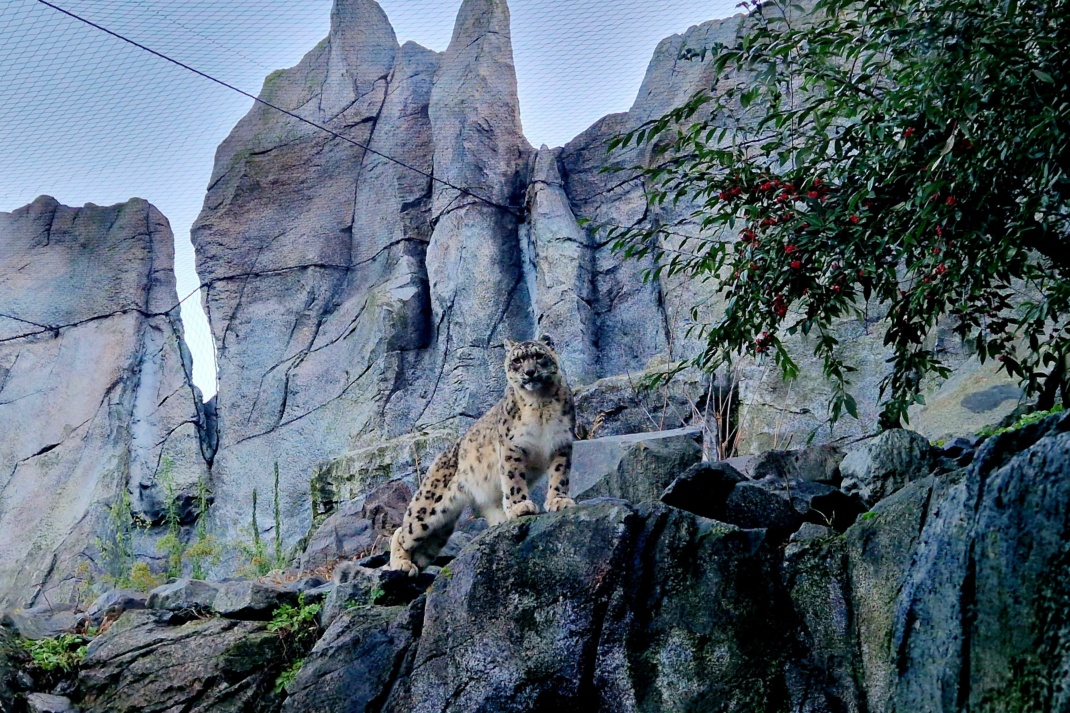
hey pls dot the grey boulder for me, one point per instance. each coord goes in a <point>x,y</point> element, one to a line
<point>43,622</point>
<point>354,665</point>
<point>636,467</point>
<point>359,527</point>
<point>184,595</point>
<point>245,599</point>
<point>48,703</point>
<point>141,665</point>
<point>113,603</point>
<point>878,467</point>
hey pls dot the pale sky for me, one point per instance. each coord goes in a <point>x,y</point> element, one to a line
<point>87,118</point>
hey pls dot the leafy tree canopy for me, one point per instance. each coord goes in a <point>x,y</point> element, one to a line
<point>904,156</point>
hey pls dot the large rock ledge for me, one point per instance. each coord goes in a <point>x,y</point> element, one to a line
<point>609,606</point>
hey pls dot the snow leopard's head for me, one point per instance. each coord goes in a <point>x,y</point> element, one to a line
<point>531,366</point>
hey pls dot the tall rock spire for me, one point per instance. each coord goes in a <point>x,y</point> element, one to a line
<point>479,296</point>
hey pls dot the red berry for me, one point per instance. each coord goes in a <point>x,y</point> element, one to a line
<point>812,194</point>
<point>908,132</point>
<point>951,200</point>
<point>790,249</point>
<point>796,264</point>
<point>835,288</point>
<point>854,219</point>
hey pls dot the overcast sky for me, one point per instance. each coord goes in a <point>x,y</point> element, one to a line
<point>86,118</point>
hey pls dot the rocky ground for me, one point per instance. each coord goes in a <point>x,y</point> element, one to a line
<point>889,576</point>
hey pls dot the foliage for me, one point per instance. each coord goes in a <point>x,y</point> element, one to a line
<point>171,544</point>
<point>143,579</point>
<point>1027,420</point>
<point>60,654</point>
<point>204,548</point>
<point>117,547</point>
<point>259,560</point>
<point>906,156</point>
<point>280,560</point>
<point>298,626</point>
<point>288,676</point>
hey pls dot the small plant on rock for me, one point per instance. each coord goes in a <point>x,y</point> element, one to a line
<point>171,544</point>
<point>55,659</point>
<point>298,627</point>
<point>288,676</point>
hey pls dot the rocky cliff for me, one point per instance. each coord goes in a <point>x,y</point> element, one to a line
<point>96,397</point>
<point>356,300</point>
<point>362,267</point>
<point>948,595</point>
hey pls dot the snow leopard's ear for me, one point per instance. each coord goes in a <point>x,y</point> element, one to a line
<point>509,345</point>
<point>547,340</point>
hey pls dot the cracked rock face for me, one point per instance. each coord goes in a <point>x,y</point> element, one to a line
<point>355,300</point>
<point>96,396</point>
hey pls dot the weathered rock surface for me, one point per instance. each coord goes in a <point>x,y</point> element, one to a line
<point>627,403</point>
<point>356,585</point>
<point>878,467</point>
<point>246,599</point>
<point>142,665</point>
<point>42,622</point>
<point>96,396</point>
<point>981,620</point>
<point>589,618</point>
<point>359,527</point>
<point>703,488</point>
<point>113,603</point>
<point>357,660</point>
<point>48,703</point>
<point>635,467</point>
<point>184,595</point>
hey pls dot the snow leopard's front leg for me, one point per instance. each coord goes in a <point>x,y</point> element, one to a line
<point>557,492</point>
<point>430,517</point>
<point>514,482</point>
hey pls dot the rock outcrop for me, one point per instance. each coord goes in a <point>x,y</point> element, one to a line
<point>96,398</point>
<point>948,596</point>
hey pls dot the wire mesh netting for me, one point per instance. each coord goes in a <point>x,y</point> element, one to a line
<point>87,117</point>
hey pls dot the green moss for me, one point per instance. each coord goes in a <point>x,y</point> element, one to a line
<point>868,515</point>
<point>1027,420</point>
